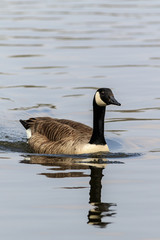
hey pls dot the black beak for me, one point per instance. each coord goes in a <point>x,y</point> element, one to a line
<point>113,101</point>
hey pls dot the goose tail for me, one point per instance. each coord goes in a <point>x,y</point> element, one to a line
<point>24,123</point>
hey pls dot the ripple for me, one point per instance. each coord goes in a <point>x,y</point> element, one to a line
<point>23,147</point>
<point>33,107</point>
<point>75,47</point>
<point>7,99</point>
<point>155,58</point>
<point>74,95</point>
<point>130,66</point>
<point>66,161</point>
<point>136,46</point>
<point>124,66</point>
<point>20,45</point>
<point>131,119</point>
<point>136,110</point>
<point>97,157</point>
<point>25,56</point>
<point>45,67</point>
<point>18,146</point>
<point>22,86</point>
<point>155,150</point>
<point>4,73</point>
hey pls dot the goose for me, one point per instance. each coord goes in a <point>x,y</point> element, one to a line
<point>48,135</point>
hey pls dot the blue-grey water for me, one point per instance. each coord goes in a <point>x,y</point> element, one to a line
<point>54,54</point>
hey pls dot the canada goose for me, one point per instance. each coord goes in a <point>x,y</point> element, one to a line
<point>61,136</point>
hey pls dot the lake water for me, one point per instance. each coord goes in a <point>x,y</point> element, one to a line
<point>53,55</point>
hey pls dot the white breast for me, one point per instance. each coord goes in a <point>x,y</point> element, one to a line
<point>92,148</point>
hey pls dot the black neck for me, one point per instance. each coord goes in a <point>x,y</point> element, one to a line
<point>98,125</point>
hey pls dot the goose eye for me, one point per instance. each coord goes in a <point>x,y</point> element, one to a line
<point>102,93</point>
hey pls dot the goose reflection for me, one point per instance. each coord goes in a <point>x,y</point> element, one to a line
<point>61,166</point>
<point>100,209</point>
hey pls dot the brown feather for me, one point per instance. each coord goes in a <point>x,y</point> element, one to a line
<point>56,136</point>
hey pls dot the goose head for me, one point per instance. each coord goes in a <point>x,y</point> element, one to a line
<point>104,97</point>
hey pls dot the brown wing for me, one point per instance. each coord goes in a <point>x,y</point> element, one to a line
<point>58,129</point>
<point>80,127</point>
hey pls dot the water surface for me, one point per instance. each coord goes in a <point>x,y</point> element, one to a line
<point>54,55</point>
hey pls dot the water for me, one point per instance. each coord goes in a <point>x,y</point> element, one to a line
<point>54,54</point>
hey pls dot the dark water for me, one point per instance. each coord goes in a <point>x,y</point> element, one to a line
<point>54,55</point>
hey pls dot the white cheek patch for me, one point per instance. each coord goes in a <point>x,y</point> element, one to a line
<point>99,101</point>
<point>28,132</point>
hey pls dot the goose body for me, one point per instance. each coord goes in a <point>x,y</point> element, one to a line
<point>60,136</point>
